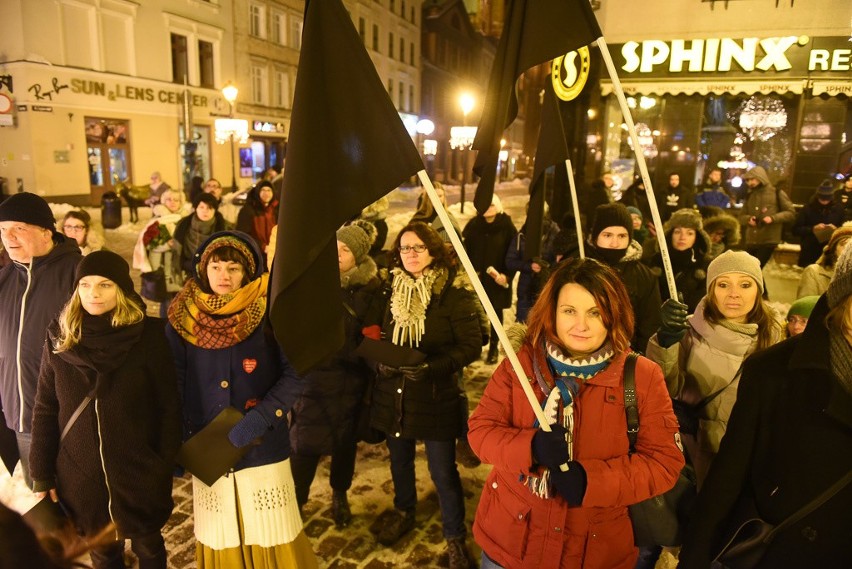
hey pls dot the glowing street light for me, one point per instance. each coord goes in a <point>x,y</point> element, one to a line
<point>230,129</point>
<point>463,137</point>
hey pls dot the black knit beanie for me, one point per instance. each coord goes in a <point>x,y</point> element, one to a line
<point>612,215</point>
<point>108,265</point>
<point>208,199</point>
<point>27,208</point>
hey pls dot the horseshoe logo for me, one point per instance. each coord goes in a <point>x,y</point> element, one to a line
<point>576,73</point>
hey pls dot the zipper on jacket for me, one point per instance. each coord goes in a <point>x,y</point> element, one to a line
<point>28,268</point>
<point>103,465</point>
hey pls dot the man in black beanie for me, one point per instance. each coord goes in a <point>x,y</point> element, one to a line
<point>33,290</point>
<point>611,242</point>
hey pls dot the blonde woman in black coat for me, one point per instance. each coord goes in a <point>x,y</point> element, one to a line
<point>114,463</point>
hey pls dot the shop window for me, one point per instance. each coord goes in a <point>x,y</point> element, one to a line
<point>180,59</point>
<point>196,163</point>
<point>205,64</point>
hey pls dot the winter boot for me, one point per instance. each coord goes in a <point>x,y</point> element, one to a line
<point>397,525</point>
<point>465,455</point>
<point>492,353</point>
<point>340,509</point>
<point>457,553</point>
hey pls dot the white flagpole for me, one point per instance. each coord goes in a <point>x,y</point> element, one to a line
<point>640,160</point>
<point>486,303</point>
<point>576,208</point>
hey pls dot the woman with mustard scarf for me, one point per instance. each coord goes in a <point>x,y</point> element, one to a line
<point>226,356</point>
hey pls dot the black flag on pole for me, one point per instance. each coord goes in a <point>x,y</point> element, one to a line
<point>536,31</point>
<point>347,147</point>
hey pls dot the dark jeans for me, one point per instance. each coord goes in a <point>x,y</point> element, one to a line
<point>24,440</point>
<point>340,476</point>
<point>762,252</point>
<point>150,549</point>
<point>441,457</point>
<point>648,556</point>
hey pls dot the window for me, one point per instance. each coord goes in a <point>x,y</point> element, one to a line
<point>392,6</point>
<point>411,54</point>
<point>411,98</point>
<point>282,90</point>
<point>258,85</point>
<point>390,45</point>
<point>257,20</point>
<point>205,64</point>
<point>402,9</point>
<point>390,89</point>
<point>375,37</point>
<point>401,101</point>
<point>362,30</point>
<point>401,49</point>
<point>412,16</point>
<point>279,28</point>
<point>295,38</point>
<point>180,59</point>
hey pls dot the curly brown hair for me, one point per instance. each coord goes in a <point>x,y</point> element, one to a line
<point>441,257</point>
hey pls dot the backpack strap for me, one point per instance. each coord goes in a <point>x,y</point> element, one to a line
<point>630,408</point>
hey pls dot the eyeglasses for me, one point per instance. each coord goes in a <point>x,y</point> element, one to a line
<point>798,320</point>
<point>416,248</point>
<point>74,227</point>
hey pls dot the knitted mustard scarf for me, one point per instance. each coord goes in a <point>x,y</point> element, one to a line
<point>215,321</point>
<point>409,300</point>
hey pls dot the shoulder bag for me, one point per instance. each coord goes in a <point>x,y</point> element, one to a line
<point>752,537</point>
<point>659,520</point>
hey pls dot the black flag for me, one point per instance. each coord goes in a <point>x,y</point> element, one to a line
<point>536,31</point>
<point>347,147</point>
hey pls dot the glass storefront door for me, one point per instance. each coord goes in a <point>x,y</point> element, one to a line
<point>108,153</point>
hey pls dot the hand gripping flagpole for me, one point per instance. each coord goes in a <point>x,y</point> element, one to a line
<point>640,160</point>
<point>576,207</point>
<point>486,303</point>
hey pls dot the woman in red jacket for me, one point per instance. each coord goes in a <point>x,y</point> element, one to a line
<point>532,513</point>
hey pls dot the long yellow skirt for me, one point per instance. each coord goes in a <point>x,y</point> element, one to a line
<point>250,519</point>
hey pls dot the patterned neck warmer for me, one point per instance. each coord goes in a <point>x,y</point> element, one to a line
<point>216,321</point>
<point>841,360</point>
<point>410,298</point>
<point>580,368</point>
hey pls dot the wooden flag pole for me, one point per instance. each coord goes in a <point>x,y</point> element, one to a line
<point>486,303</point>
<point>576,207</point>
<point>640,160</point>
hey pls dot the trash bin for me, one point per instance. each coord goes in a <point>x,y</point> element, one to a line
<point>110,210</point>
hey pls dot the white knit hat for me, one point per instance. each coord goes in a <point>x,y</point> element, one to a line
<point>735,262</point>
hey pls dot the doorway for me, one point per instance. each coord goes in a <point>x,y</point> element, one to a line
<point>108,155</point>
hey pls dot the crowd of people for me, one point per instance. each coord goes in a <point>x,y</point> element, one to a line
<point>97,397</point>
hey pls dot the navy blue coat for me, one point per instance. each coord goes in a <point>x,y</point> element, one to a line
<point>812,214</point>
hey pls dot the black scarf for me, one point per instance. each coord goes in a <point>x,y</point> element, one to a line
<point>102,348</point>
<point>610,257</point>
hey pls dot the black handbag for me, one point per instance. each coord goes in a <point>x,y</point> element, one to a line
<point>659,520</point>
<point>750,540</point>
<point>154,285</point>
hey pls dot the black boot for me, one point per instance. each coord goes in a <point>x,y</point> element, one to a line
<point>458,556</point>
<point>340,509</point>
<point>397,525</point>
<point>492,354</point>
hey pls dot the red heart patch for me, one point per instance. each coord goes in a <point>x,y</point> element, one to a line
<point>249,364</point>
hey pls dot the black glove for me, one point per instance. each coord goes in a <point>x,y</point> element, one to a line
<point>571,484</point>
<point>383,370</point>
<point>550,449</point>
<point>673,326</point>
<point>415,373</point>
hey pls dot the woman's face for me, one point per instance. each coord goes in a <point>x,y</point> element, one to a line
<point>414,261</point>
<point>98,295</point>
<point>265,195</point>
<point>171,201</point>
<point>75,229</point>
<point>735,295</point>
<point>637,221</point>
<point>579,325</point>
<point>204,212</point>
<point>225,276</point>
<point>345,257</point>
<point>683,238</point>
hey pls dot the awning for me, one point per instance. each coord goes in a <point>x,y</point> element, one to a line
<point>828,87</point>
<point>707,87</point>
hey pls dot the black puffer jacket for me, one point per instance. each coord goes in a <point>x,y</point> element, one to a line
<point>34,295</point>
<point>431,408</point>
<point>689,267</point>
<point>331,401</point>
<point>116,462</point>
<point>486,244</point>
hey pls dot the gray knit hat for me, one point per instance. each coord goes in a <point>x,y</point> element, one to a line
<point>735,262</point>
<point>841,283</point>
<point>356,239</point>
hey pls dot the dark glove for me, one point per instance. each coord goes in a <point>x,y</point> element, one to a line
<point>383,370</point>
<point>250,427</point>
<point>673,326</point>
<point>415,373</point>
<point>571,484</point>
<point>550,449</point>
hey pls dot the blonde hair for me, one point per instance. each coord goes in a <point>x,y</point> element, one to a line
<point>125,313</point>
<point>839,319</point>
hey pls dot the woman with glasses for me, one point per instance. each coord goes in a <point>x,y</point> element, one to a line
<point>430,310</point>
<point>77,225</point>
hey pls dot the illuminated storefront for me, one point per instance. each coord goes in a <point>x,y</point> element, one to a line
<point>781,102</point>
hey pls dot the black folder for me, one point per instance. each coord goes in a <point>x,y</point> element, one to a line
<point>209,454</point>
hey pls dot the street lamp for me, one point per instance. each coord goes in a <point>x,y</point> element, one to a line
<point>230,93</point>
<point>462,138</point>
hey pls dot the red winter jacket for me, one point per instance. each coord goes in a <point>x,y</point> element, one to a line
<point>518,529</point>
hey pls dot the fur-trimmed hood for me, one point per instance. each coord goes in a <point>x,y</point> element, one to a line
<point>361,274</point>
<point>728,223</point>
